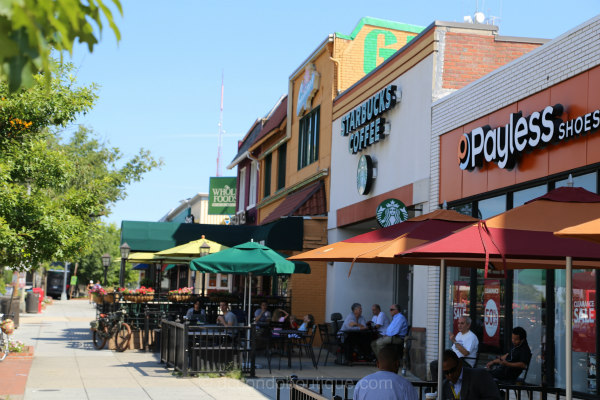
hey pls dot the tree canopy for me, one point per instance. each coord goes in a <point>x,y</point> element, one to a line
<point>31,29</point>
<point>53,191</point>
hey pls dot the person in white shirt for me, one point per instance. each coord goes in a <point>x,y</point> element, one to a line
<point>465,344</point>
<point>386,383</point>
<point>380,320</point>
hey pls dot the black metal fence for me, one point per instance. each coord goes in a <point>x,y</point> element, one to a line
<point>205,349</point>
<point>337,388</point>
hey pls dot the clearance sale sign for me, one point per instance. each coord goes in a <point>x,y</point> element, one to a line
<point>584,312</point>
<point>491,320</point>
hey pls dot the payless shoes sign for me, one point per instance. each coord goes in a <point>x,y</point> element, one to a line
<point>505,144</point>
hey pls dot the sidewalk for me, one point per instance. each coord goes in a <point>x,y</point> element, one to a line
<point>67,366</point>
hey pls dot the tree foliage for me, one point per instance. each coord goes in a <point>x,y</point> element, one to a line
<point>53,191</point>
<point>30,29</point>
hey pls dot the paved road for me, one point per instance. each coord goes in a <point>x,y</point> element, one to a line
<point>66,365</point>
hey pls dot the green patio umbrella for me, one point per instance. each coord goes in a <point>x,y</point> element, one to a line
<point>249,258</point>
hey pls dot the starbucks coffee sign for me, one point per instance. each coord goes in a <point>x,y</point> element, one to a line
<point>365,125</point>
<point>391,212</point>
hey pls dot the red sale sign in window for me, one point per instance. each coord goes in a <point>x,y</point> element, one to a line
<point>491,306</point>
<point>460,302</point>
<point>584,312</point>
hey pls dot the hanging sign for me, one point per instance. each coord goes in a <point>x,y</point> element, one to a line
<point>391,212</point>
<point>460,302</point>
<point>491,319</point>
<point>584,312</point>
<point>308,88</point>
<point>222,195</point>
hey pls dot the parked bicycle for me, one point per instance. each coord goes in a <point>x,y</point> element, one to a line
<point>109,325</point>
<point>6,328</point>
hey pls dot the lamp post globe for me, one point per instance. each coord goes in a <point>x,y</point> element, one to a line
<point>125,249</point>
<point>105,264</point>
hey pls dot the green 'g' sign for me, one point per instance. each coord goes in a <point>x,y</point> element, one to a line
<point>221,196</point>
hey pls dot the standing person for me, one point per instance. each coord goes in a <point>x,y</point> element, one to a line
<point>510,365</point>
<point>465,344</point>
<point>395,332</point>
<point>380,320</point>
<point>386,383</point>
<point>262,314</point>
<point>90,286</point>
<point>228,318</point>
<point>466,383</point>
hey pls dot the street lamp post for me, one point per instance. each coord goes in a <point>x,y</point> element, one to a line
<point>204,251</point>
<point>124,256</point>
<point>105,264</point>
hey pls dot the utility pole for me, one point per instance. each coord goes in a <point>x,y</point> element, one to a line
<point>220,125</point>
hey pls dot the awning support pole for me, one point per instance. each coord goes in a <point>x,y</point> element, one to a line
<point>569,328</point>
<point>442,324</point>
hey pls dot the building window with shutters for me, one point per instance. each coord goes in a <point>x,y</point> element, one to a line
<point>267,188</point>
<point>281,160</point>
<point>308,140</point>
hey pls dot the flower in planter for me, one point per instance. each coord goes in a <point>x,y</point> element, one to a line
<point>16,346</point>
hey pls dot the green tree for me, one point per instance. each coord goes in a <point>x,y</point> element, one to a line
<point>53,192</point>
<point>31,29</point>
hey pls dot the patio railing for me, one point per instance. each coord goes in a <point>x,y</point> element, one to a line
<point>338,388</point>
<point>207,349</point>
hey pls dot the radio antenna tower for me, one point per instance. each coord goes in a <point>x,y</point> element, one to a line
<point>220,125</point>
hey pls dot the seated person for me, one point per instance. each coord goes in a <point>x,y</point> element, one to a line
<point>379,321</point>
<point>509,366</point>
<point>294,322</point>
<point>262,315</point>
<point>279,316</point>
<point>354,323</point>
<point>386,383</point>
<point>395,332</point>
<point>465,344</point>
<point>466,383</point>
<point>195,314</point>
<point>308,322</point>
<point>227,318</point>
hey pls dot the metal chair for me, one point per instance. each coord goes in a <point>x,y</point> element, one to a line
<point>328,341</point>
<point>304,340</point>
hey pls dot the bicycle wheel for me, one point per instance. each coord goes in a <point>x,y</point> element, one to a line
<point>3,345</point>
<point>99,338</point>
<point>122,337</point>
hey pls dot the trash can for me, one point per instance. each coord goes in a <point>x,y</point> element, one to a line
<point>8,307</point>
<point>31,302</point>
<point>40,292</point>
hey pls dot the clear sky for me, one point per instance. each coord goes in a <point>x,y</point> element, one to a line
<point>160,87</point>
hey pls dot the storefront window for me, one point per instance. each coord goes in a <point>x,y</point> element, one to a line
<point>458,300</point>
<point>587,181</point>
<point>584,332</point>
<point>490,207</point>
<point>490,315</point>
<point>529,308</point>
<point>466,209</point>
<point>520,197</point>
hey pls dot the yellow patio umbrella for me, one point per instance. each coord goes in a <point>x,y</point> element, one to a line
<point>587,231</point>
<point>191,250</point>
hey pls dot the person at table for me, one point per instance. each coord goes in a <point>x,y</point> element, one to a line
<point>263,314</point>
<point>466,383</point>
<point>464,344</point>
<point>385,384</point>
<point>353,325</point>
<point>395,332</point>
<point>509,366</point>
<point>380,320</point>
<point>195,314</point>
<point>307,322</point>
<point>227,318</point>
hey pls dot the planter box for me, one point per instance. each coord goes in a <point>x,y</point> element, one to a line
<point>26,355</point>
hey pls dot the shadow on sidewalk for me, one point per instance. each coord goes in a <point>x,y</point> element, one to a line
<point>74,338</point>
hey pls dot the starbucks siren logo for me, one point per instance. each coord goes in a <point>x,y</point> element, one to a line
<point>391,212</point>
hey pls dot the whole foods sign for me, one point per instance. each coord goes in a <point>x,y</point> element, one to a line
<point>365,124</point>
<point>505,144</point>
<point>222,195</point>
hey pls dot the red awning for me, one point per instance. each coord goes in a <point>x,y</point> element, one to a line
<point>307,201</point>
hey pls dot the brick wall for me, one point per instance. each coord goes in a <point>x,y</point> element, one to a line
<point>468,57</point>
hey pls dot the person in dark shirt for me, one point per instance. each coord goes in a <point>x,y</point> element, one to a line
<point>509,366</point>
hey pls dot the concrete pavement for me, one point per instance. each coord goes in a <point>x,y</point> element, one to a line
<point>67,366</point>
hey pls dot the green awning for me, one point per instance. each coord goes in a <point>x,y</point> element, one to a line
<point>247,258</point>
<point>283,234</point>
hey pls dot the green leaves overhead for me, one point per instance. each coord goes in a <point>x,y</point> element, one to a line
<point>30,29</point>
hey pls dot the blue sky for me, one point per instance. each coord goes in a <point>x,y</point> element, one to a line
<point>160,86</point>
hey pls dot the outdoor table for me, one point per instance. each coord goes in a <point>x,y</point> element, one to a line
<point>361,338</point>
